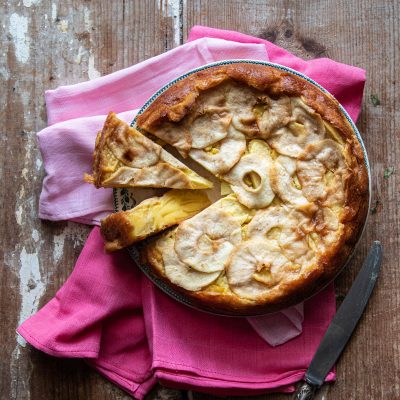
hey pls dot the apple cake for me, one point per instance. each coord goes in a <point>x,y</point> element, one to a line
<point>295,182</point>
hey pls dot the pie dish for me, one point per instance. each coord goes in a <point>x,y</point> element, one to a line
<point>298,178</point>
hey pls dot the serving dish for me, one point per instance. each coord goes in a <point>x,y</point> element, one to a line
<point>126,198</point>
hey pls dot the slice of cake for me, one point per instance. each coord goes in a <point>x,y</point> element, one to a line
<point>151,216</point>
<point>123,157</point>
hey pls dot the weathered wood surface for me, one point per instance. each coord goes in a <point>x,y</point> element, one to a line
<point>46,44</point>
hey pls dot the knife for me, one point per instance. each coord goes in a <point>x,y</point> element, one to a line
<point>342,325</point>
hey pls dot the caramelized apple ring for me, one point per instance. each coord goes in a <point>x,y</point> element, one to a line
<point>223,155</point>
<point>206,241</point>
<point>283,183</point>
<point>321,158</point>
<point>272,114</point>
<point>306,127</point>
<point>180,273</point>
<point>209,126</point>
<point>287,226</point>
<point>255,266</point>
<point>250,181</point>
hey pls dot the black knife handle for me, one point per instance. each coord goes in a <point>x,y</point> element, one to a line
<point>305,391</point>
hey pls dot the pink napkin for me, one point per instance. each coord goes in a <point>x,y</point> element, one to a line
<point>98,314</point>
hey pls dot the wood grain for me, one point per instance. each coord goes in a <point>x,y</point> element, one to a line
<point>46,44</point>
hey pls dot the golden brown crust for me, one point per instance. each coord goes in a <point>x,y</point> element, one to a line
<point>116,231</point>
<point>177,101</point>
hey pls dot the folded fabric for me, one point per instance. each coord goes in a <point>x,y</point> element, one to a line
<point>279,327</point>
<point>131,332</point>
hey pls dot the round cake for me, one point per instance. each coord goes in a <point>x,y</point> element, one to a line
<point>284,204</point>
<point>297,182</point>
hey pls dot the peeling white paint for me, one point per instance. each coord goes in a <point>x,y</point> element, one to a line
<point>35,235</point>
<point>21,193</point>
<point>62,26</point>
<point>54,11</point>
<point>24,173</point>
<point>18,215</point>
<point>38,163</point>
<point>4,71</point>
<point>86,18</point>
<point>25,98</point>
<point>18,369</point>
<point>28,3</point>
<point>58,249</point>
<point>92,71</point>
<point>82,51</point>
<point>170,8</point>
<point>22,342</point>
<point>18,29</point>
<point>31,286</point>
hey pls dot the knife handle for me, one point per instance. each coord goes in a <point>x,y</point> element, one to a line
<point>305,391</point>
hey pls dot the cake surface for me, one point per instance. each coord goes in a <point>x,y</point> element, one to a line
<point>298,179</point>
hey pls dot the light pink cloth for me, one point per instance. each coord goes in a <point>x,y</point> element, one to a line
<point>110,314</point>
<point>279,327</point>
<point>98,313</point>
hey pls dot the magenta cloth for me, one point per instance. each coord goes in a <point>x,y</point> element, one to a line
<point>110,314</point>
<point>125,327</point>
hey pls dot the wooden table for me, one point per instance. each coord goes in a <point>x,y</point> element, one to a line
<point>46,44</point>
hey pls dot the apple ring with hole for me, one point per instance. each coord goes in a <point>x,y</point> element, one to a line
<point>205,241</point>
<point>272,114</point>
<point>285,184</point>
<point>255,267</point>
<point>288,227</point>
<point>180,273</point>
<point>220,157</point>
<point>304,127</point>
<point>249,178</point>
<point>321,169</point>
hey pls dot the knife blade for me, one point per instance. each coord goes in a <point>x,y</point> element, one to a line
<point>342,325</point>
